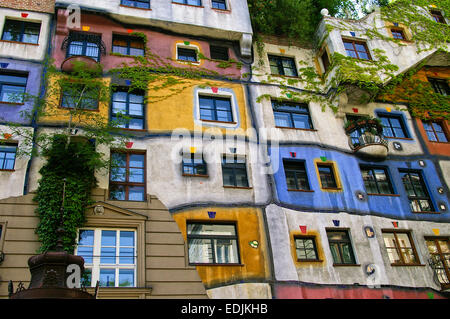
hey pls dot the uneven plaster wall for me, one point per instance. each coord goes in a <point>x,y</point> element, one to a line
<point>284,222</point>
<point>47,6</point>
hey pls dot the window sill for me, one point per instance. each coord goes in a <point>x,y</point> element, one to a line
<point>222,10</point>
<point>146,9</point>
<point>309,260</point>
<point>237,187</point>
<point>408,265</point>
<point>194,63</point>
<point>326,189</point>
<point>436,142</point>
<point>18,42</point>
<point>121,292</point>
<point>7,170</point>
<point>300,190</point>
<point>11,103</point>
<point>211,264</point>
<point>188,5</point>
<point>346,265</point>
<point>286,76</point>
<point>426,212</point>
<point>299,129</point>
<point>400,138</point>
<point>392,195</point>
<point>121,55</point>
<point>213,121</point>
<point>195,175</point>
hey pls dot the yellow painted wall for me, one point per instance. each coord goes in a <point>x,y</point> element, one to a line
<point>249,226</point>
<point>56,114</point>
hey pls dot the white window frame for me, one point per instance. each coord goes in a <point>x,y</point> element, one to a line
<point>95,266</point>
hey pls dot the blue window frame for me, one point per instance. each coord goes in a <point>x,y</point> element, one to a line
<point>215,109</point>
<point>21,31</point>
<point>194,164</point>
<point>393,126</point>
<point>143,4</point>
<point>7,156</point>
<point>12,87</point>
<point>415,187</point>
<point>293,115</point>
<point>189,2</point>
<point>219,4</point>
<point>128,109</point>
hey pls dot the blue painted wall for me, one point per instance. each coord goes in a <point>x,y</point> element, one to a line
<point>352,182</point>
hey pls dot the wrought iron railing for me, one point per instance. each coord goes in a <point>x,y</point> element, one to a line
<point>365,139</point>
<point>441,276</point>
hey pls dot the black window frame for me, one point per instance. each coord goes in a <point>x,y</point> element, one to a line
<point>216,4</point>
<point>392,128</point>
<point>438,16</point>
<point>85,39</point>
<point>372,169</point>
<point>3,158</point>
<point>277,60</point>
<point>219,53</point>
<point>291,109</point>
<point>22,25</point>
<point>340,243</point>
<point>198,169</point>
<point>298,168</point>
<point>65,95</point>
<point>127,102</point>
<point>239,164</point>
<point>212,238</point>
<point>135,3</point>
<point>128,39</point>
<point>440,86</point>
<point>14,74</point>
<point>187,52</point>
<point>215,110</point>
<point>395,31</point>
<point>331,167</point>
<point>314,248</point>
<point>325,61</point>
<point>413,198</point>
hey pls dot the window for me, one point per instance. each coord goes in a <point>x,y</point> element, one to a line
<point>440,86</point>
<point>143,4</point>
<point>393,126</point>
<point>21,31</point>
<point>293,115</point>
<point>376,180</point>
<point>327,177</point>
<point>127,176</point>
<point>128,45</point>
<point>215,108</point>
<point>129,105</point>
<point>358,132</point>
<point>109,256</point>
<point>219,53</point>
<point>282,65</point>
<point>400,248</point>
<point>398,34</point>
<point>189,2</point>
<point>7,156</point>
<point>435,131</point>
<point>189,55</point>
<point>12,87</point>
<point>79,96</point>
<point>234,171</point>
<point>437,16</point>
<point>194,164</point>
<point>341,247</point>
<point>212,243</point>
<point>325,61</point>
<point>84,44</point>
<point>356,49</point>
<point>305,248</point>
<point>219,4</point>
<point>296,177</point>
<point>439,249</point>
<point>415,187</point>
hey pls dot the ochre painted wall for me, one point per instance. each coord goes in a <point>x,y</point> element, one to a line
<point>249,226</point>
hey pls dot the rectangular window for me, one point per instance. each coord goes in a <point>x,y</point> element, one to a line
<point>12,87</point>
<point>393,126</point>
<point>7,156</point>
<point>341,247</point>
<point>189,2</point>
<point>234,171</point>
<point>398,34</point>
<point>215,108</point>
<point>79,96</point>
<point>21,31</point>
<point>440,86</point>
<point>419,198</point>
<point>194,164</point>
<point>296,177</point>
<point>128,109</point>
<point>127,177</point>
<point>143,4</point>
<point>325,61</point>
<point>293,115</point>
<point>282,65</point>
<point>327,177</point>
<point>219,53</point>
<point>185,54</point>
<point>435,131</point>
<point>219,4</point>
<point>437,16</point>
<point>376,180</point>
<point>400,247</point>
<point>109,256</point>
<point>439,249</point>
<point>126,45</point>
<point>84,44</point>
<point>356,49</point>
<point>306,249</point>
<point>212,243</point>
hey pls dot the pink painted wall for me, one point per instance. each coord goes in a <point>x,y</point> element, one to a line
<point>160,44</point>
<point>304,292</point>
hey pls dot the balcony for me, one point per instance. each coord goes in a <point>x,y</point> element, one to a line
<point>365,136</point>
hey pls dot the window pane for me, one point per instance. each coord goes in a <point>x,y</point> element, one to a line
<point>136,175</point>
<point>126,277</point>
<point>228,177</point>
<point>335,253</point>
<point>211,229</point>
<point>86,238</point>
<point>136,193</point>
<point>301,121</point>
<point>347,254</point>
<point>241,177</point>
<point>225,251</point>
<point>282,119</point>
<point>136,124</point>
<point>200,251</point>
<point>117,192</point>
<point>107,278</point>
<point>126,256</point>
<point>119,107</point>
<point>118,174</point>
<point>137,160</point>
<point>369,181</point>
<point>127,238</point>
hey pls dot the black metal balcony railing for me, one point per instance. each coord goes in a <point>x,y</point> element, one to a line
<point>441,273</point>
<point>365,139</point>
